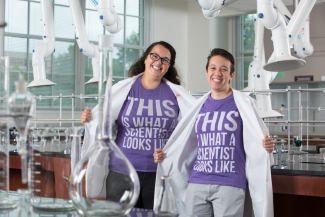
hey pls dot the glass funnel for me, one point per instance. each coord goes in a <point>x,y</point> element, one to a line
<point>5,201</point>
<point>21,105</point>
<point>103,182</point>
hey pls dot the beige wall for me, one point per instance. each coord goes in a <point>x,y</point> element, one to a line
<point>182,24</point>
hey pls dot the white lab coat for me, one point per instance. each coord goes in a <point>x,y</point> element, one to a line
<point>98,162</point>
<point>181,150</point>
<point>120,92</point>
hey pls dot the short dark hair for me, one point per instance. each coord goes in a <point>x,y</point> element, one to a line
<point>223,53</point>
<point>171,75</point>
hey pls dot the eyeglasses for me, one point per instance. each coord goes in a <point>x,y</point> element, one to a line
<point>156,57</point>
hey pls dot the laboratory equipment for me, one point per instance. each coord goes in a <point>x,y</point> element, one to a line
<point>49,168</point>
<point>211,8</point>
<point>44,49</point>
<point>109,19</point>
<point>111,183</point>
<point>283,148</point>
<point>166,205</point>
<point>21,105</point>
<point>24,208</point>
<point>273,20</point>
<point>258,78</point>
<point>5,201</point>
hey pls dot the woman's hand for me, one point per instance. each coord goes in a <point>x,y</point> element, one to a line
<point>85,115</point>
<point>159,155</point>
<point>268,143</point>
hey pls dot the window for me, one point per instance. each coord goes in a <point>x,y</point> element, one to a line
<point>67,67</point>
<point>245,50</point>
<point>129,43</point>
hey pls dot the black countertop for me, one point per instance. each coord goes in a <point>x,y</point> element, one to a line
<point>302,163</point>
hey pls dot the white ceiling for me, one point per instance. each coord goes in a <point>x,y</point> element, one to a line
<point>247,7</point>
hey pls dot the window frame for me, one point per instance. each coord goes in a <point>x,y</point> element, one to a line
<point>241,53</point>
<point>79,58</point>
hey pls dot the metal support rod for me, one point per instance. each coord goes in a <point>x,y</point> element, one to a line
<point>35,114</point>
<point>268,91</point>
<point>288,103</point>
<point>60,109</point>
<point>300,116</point>
<point>60,120</point>
<point>72,110</point>
<point>296,122</point>
<point>307,128</point>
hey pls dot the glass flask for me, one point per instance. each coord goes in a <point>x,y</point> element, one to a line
<point>21,105</point>
<point>103,182</point>
<point>166,205</point>
<point>24,208</point>
<point>49,169</point>
<point>5,201</point>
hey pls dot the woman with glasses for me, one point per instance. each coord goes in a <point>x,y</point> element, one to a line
<point>146,108</point>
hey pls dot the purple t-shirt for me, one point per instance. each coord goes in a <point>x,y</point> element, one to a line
<point>145,123</point>
<point>221,156</point>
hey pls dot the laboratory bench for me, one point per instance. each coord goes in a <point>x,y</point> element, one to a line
<point>135,212</point>
<point>298,181</point>
<point>298,187</point>
<point>53,168</point>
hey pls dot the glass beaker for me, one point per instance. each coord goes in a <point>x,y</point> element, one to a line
<point>166,205</point>
<point>49,171</point>
<point>103,182</point>
<point>5,201</point>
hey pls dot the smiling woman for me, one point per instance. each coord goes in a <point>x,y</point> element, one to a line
<point>146,108</point>
<point>211,150</point>
<point>219,72</point>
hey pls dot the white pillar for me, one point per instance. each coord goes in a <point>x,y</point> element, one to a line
<point>219,33</point>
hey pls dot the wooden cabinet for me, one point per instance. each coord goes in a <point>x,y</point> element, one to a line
<point>62,171</point>
<point>298,195</point>
<point>51,179</point>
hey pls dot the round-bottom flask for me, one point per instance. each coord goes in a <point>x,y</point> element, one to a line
<point>104,183</point>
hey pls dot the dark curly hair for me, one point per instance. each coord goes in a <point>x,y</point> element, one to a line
<point>223,53</point>
<point>171,75</point>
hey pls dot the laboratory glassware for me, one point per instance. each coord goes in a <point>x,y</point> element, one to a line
<point>21,107</point>
<point>5,201</point>
<point>166,205</point>
<point>24,207</point>
<point>104,182</point>
<point>49,169</point>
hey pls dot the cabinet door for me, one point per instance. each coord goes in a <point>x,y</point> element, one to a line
<point>62,171</point>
